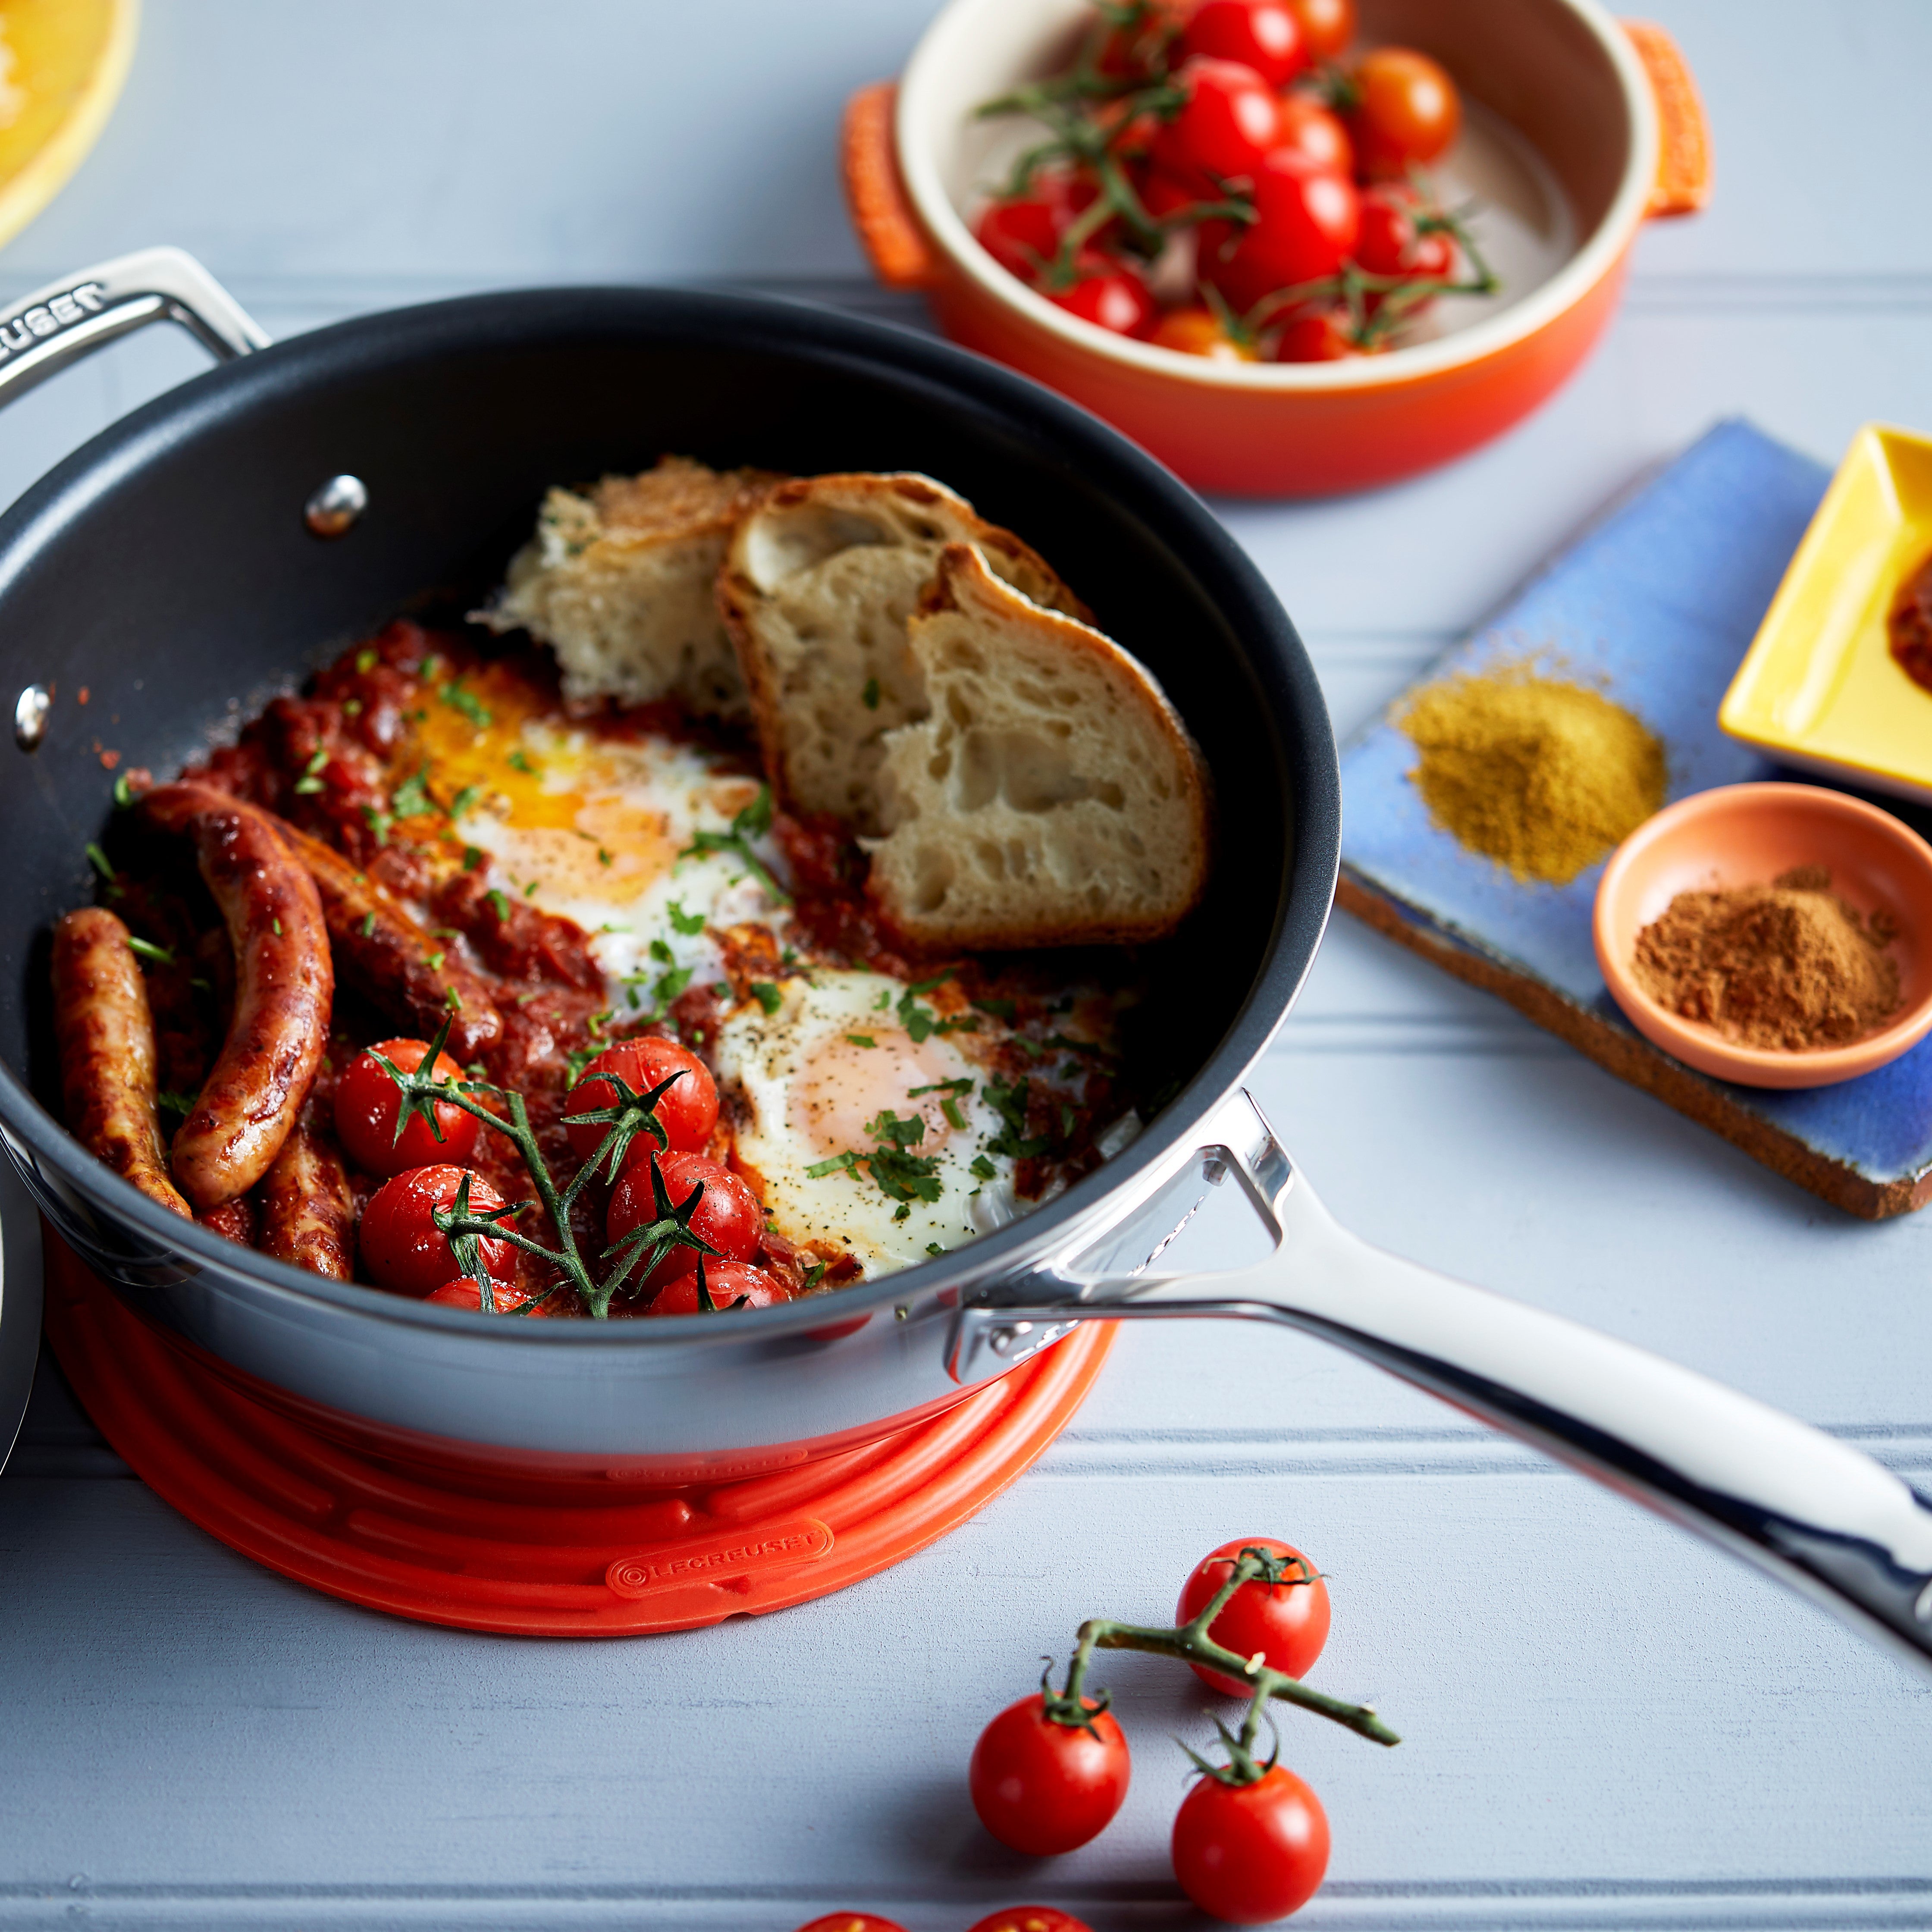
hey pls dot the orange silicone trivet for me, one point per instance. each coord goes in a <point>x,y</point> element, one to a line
<point>359,1527</point>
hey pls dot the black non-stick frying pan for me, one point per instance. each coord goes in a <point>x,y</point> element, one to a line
<point>213,547</point>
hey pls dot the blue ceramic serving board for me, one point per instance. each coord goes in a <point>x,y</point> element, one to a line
<point>1656,604</point>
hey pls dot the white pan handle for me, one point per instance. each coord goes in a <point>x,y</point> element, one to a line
<point>1814,1512</point>
<point>68,319</point>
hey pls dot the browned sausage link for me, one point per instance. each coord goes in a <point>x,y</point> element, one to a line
<point>106,1032</point>
<point>384,953</point>
<point>233,1220</point>
<point>284,989</point>
<point>308,1208</point>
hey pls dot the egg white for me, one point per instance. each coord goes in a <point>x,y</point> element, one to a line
<point>801,1087</point>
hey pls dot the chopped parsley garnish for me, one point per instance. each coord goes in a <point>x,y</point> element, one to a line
<point>933,1248</point>
<point>464,799</point>
<point>862,1040</point>
<point>472,858</point>
<point>310,780</point>
<point>146,948</point>
<point>920,1022</point>
<point>595,1023</point>
<point>170,1101</point>
<point>435,960</point>
<point>530,890</point>
<point>1009,1102</point>
<point>689,924</point>
<point>579,1059</point>
<point>499,904</point>
<point>900,1176</point>
<point>277,924</point>
<point>869,697</point>
<point>352,707</point>
<point>454,695</point>
<point>814,1275</point>
<point>124,793</point>
<point>519,761</point>
<point>660,952</point>
<point>753,822</point>
<point>98,860</point>
<point>983,1168</point>
<point>367,927</point>
<point>604,857</point>
<point>365,661</point>
<point>1000,1009</point>
<point>411,798</point>
<point>379,822</point>
<point>1073,1046</point>
<point>767,995</point>
<point>940,1087</point>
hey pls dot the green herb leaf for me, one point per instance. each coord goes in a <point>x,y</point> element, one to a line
<point>124,793</point>
<point>97,860</point>
<point>767,995</point>
<point>862,1040</point>
<point>464,799</point>
<point>753,822</point>
<point>984,1168</point>
<point>1000,1009</point>
<point>689,924</point>
<point>411,798</point>
<point>435,961</point>
<point>457,699</point>
<point>365,661</point>
<point>473,858</point>
<point>520,762</point>
<point>145,949</point>
<point>848,1162</point>
<point>170,1101</point>
<point>379,822</point>
<point>499,904</point>
<point>367,927</point>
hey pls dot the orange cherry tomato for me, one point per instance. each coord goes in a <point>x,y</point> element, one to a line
<point>1310,129</point>
<point>1327,26</point>
<point>1200,331</point>
<point>1407,110</point>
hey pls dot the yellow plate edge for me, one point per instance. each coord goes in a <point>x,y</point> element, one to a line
<point>1737,717</point>
<point>42,178</point>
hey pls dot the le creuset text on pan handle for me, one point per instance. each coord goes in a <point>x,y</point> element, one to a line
<point>68,319</point>
<point>1814,1512</point>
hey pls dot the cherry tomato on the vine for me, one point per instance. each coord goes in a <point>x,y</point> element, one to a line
<point>1031,1918</point>
<point>1406,110</point>
<point>1287,1622</point>
<point>1250,1853</point>
<point>1023,232</point>
<point>1306,218</point>
<point>1326,335</point>
<point>852,1921</point>
<point>1042,1787</point>
<point>1200,331</point>
<point>1389,243</point>
<point>467,1292</point>
<point>368,1103</point>
<point>1129,53</point>
<point>1310,129</point>
<point>727,1216</point>
<point>1227,123</point>
<point>1327,26</point>
<point>1263,35</point>
<point>687,1112</point>
<point>727,1281</point>
<point>1108,295</point>
<point>403,1247</point>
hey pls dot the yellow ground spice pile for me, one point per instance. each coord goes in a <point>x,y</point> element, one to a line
<point>1789,966</point>
<point>1542,776</point>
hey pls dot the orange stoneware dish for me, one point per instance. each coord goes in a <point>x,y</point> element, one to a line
<point>1577,129</point>
<point>1747,835</point>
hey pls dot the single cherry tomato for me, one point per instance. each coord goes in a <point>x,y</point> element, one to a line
<point>1251,1853</point>
<point>1389,243</point>
<point>1200,331</point>
<point>1306,218</point>
<point>1043,1788</point>
<point>1406,110</point>
<point>1288,1623</point>
<point>1022,232</point>
<point>727,1281</point>
<point>1132,53</point>
<point>467,1292</point>
<point>1310,129</point>
<point>727,1216</point>
<point>1031,1918</point>
<point>366,1104</point>
<point>1326,335</point>
<point>1263,35</point>
<point>687,1112</point>
<point>1227,123</point>
<point>1133,133</point>
<point>1326,26</point>
<point>852,1921</point>
<point>1108,294</point>
<point>403,1248</point>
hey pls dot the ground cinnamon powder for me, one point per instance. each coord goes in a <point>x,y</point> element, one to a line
<point>1542,776</point>
<point>1789,966</point>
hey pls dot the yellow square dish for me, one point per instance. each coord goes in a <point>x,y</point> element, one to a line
<point>1818,687</point>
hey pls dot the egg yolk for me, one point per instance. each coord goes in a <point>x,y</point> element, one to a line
<point>841,1085</point>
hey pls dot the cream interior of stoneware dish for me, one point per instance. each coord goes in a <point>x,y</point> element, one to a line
<point>1558,146</point>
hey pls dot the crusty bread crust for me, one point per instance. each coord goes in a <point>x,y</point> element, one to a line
<point>617,580</point>
<point>1052,796</point>
<point>818,585</point>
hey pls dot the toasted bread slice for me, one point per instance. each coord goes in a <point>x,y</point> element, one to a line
<point>618,583</point>
<point>1051,798</point>
<point>816,590</point>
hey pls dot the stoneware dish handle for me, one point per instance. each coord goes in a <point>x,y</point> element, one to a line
<point>1814,1512</point>
<point>882,213</point>
<point>1684,136</point>
<point>56,325</point>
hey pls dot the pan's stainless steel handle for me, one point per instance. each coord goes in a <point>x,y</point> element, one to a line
<point>1813,1511</point>
<point>68,319</point>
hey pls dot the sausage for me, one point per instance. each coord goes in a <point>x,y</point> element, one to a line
<point>402,966</point>
<point>233,1221</point>
<point>106,1032</point>
<point>284,991</point>
<point>308,1208</point>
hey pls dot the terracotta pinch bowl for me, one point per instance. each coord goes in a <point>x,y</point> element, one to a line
<point>1745,834</point>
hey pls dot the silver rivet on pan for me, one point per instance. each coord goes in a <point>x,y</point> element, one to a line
<point>30,717</point>
<point>332,511</point>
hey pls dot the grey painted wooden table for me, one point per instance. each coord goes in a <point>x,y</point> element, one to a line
<point>1606,1725</point>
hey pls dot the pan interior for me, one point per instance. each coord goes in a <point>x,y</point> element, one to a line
<point>166,569</point>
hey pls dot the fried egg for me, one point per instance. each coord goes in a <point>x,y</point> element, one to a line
<point>825,1089</point>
